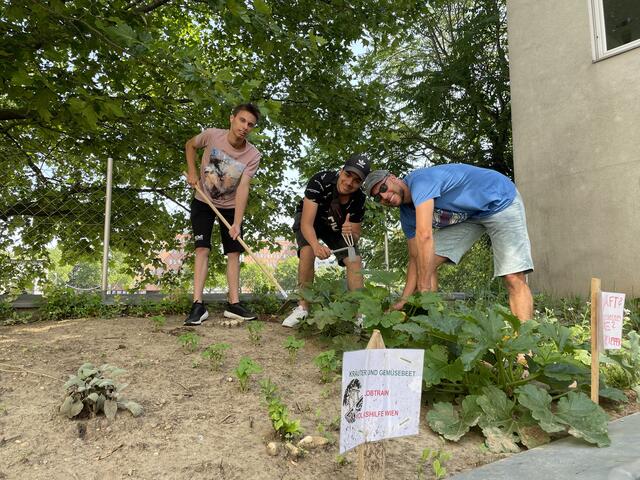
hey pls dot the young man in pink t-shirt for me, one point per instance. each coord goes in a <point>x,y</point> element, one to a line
<point>227,166</point>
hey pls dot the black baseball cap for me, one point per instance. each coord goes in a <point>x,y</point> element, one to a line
<point>358,164</point>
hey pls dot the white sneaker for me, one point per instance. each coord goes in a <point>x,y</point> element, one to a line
<point>299,313</point>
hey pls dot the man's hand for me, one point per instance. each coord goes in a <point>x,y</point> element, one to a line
<point>234,231</point>
<point>347,226</point>
<point>321,251</point>
<point>399,305</point>
<point>192,178</point>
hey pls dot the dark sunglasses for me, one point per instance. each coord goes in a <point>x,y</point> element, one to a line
<point>383,188</point>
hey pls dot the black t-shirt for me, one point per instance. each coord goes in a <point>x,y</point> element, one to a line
<point>331,214</point>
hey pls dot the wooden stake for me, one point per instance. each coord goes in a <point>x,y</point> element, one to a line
<point>371,455</point>
<point>595,346</point>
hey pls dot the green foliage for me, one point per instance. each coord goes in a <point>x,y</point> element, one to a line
<point>92,391</point>
<point>216,353</point>
<point>292,345</point>
<point>189,341</point>
<point>441,99</point>
<point>159,321</point>
<point>63,302</point>
<point>129,80</point>
<point>622,367</point>
<point>474,274</point>
<point>255,329</point>
<point>10,316</point>
<point>278,414</point>
<point>6,309</point>
<point>436,458</point>
<point>328,363</point>
<point>269,304</point>
<point>472,374</point>
<point>244,370</point>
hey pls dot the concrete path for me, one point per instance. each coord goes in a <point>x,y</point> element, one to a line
<point>572,458</point>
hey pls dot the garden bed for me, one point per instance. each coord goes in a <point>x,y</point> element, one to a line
<point>196,422</point>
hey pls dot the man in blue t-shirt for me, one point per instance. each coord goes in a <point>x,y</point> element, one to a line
<point>461,202</point>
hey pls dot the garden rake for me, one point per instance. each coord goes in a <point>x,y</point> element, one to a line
<point>350,248</point>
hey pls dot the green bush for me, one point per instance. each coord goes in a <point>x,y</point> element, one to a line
<point>64,302</point>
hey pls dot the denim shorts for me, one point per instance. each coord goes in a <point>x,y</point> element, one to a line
<point>509,239</point>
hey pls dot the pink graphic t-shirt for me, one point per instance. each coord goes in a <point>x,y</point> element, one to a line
<point>222,166</point>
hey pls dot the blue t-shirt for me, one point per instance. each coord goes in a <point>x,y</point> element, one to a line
<point>459,191</point>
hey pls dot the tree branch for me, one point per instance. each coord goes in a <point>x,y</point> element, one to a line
<point>152,6</point>
<point>9,114</point>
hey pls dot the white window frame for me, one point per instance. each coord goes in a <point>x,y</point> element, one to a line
<point>599,38</point>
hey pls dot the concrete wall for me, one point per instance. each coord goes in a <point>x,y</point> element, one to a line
<point>576,136</point>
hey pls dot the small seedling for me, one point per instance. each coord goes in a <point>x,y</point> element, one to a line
<point>278,413</point>
<point>436,458</point>
<point>269,389</point>
<point>92,391</point>
<point>158,322</point>
<point>328,364</point>
<point>323,430</point>
<point>189,341</point>
<point>341,460</point>
<point>255,332</point>
<point>292,345</point>
<point>245,369</point>
<point>216,353</point>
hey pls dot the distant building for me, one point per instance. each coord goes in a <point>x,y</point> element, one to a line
<point>272,259</point>
<point>172,260</point>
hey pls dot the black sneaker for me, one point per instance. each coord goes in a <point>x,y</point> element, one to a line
<point>197,315</point>
<point>239,312</point>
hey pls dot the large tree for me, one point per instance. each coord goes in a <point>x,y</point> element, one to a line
<point>84,80</point>
<point>443,85</point>
<point>445,82</point>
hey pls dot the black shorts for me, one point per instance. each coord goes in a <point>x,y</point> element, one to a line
<point>202,220</point>
<point>332,239</point>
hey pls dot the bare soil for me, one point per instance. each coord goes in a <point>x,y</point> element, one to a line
<point>196,425</point>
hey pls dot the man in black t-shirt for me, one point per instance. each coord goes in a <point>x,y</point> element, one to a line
<point>333,205</point>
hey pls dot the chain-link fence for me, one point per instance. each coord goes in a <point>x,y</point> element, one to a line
<point>52,233</point>
<point>106,233</point>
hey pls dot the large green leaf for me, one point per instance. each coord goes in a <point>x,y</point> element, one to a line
<point>585,419</point>
<point>505,424</point>
<point>446,421</point>
<point>437,366</point>
<point>501,440</point>
<point>71,407</point>
<point>567,369</point>
<point>496,406</point>
<point>439,322</point>
<point>482,331</point>
<point>539,403</point>
<point>416,331</point>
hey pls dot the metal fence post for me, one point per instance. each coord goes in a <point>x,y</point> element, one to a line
<point>386,244</point>
<point>107,229</point>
